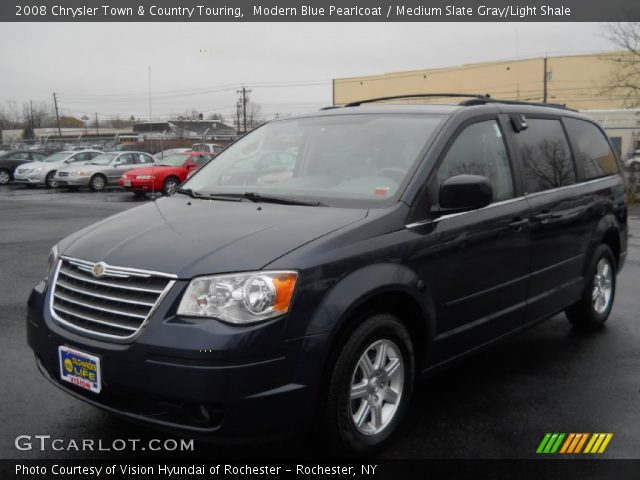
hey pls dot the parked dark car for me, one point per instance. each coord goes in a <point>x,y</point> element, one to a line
<point>406,237</point>
<point>12,159</point>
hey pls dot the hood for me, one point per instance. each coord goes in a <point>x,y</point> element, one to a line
<point>190,237</point>
<point>32,165</point>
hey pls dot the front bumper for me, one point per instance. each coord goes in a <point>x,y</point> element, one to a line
<point>72,181</point>
<point>30,179</point>
<point>204,377</point>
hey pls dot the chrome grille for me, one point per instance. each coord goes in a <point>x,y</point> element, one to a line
<point>103,300</point>
<point>63,174</point>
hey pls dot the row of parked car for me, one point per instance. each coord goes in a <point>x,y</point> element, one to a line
<point>135,171</point>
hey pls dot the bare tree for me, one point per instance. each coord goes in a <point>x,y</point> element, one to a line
<point>254,117</point>
<point>625,79</point>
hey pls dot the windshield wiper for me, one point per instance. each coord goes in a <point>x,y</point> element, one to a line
<point>257,197</point>
<point>207,196</point>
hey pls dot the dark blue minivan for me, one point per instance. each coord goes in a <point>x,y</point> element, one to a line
<point>323,263</point>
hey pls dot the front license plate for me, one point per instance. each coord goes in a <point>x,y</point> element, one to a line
<point>127,183</point>
<point>80,368</point>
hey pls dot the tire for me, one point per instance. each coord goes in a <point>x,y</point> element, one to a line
<point>49,182</point>
<point>170,185</point>
<point>98,182</point>
<point>593,309</point>
<point>5,176</point>
<point>353,425</point>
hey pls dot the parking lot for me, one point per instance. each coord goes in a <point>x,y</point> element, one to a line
<point>497,404</point>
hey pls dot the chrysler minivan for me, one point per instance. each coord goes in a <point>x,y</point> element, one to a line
<point>402,238</point>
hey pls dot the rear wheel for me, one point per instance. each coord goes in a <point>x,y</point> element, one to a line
<point>98,182</point>
<point>49,181</point>
<point>170,186</point>
<point>5,177</point>
<point>593,309</point>
<point>370,385</point>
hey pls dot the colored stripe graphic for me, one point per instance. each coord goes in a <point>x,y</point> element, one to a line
<point>573,443</point>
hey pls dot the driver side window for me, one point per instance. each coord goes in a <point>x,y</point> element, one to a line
<point>480,150</point>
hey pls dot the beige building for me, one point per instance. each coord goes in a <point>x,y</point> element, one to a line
<point>577,81</point>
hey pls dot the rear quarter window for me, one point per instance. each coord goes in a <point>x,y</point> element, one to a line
<point>592,150</point>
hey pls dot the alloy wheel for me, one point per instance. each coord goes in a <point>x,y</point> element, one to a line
<point>602,286</point>
<point>4,177</point>
<point>376,387</point>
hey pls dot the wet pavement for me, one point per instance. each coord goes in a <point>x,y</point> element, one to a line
<point>497,404</point>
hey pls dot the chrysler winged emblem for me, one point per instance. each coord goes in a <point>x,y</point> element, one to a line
<point>98,269</point>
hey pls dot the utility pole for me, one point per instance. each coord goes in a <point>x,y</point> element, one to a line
<point>545,81</point>
<point>238,116</point>
<point>97,128</point>
<point>244,100</point>
<point>55,103</point>
<point>31,106</point>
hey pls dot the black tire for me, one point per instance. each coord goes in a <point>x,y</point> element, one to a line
<point>98,182</point>
<point>586,313</point>
<point>5,176</point>
<point>338,419</point>
<point>49,182</point>
<point>169,186</point>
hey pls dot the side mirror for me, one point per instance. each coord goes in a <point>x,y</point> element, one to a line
<point>462,193</point>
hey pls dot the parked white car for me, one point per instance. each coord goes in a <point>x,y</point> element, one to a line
<point>43,172</point>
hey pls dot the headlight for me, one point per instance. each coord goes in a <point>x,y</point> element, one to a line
<point>51,262</point>
<point>241,298</point>
<point>145,177</point>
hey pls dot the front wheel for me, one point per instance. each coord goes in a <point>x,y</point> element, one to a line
<point>170,186</point>
<point>49,181</point>
<point>370,385</point>
<point>593,309</point>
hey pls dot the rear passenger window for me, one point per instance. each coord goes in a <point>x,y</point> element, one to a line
<point>592,149</point>
<point>480,150</point>
<point>546,157</point>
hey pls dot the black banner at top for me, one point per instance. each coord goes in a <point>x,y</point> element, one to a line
<point>319,11</point>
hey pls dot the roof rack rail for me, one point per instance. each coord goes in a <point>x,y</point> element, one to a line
<point>483,101</point>
<point>419,95</point>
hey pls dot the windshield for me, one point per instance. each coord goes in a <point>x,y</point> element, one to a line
<point>340,160</point>
<point>57,157</point>
<point>174,160</point>
<point>103,159</point>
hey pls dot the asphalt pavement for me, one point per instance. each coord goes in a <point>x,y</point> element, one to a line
<point>497,404</point>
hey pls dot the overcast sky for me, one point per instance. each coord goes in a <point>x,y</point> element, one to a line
<point>103,67</point>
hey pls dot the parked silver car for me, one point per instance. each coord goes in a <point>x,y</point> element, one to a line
<point>43,172</point>
<point>103,170</point>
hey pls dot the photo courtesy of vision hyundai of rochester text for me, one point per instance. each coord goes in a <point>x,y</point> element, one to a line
<point>326,262</point>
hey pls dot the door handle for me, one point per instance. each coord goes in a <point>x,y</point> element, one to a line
<point>544,217</point>
<point>518,224</point>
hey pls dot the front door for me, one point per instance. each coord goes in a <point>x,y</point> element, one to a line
<point>479,275</point>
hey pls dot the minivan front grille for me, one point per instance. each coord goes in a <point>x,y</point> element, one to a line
<point>103,300</point>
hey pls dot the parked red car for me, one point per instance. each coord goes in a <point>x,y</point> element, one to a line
<point>165,176</point>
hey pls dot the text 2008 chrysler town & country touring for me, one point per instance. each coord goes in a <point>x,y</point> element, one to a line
<point>319,265</point>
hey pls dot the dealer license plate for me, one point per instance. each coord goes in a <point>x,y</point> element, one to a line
<point>80,369</point>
